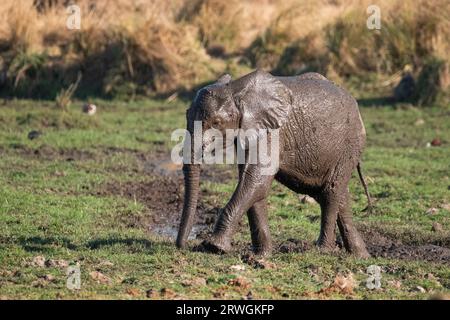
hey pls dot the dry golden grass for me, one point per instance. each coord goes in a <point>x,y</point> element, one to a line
<point>144,47</point>
<point>17,29</point>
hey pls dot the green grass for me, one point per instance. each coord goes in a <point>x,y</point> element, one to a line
<point>50,207</point>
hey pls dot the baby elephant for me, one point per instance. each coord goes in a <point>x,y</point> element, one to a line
<point>321,138</point>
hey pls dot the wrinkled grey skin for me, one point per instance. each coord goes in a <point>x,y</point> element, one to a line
<point>321,140</point>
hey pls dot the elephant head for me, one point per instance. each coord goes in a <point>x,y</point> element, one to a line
<point>255,101</point>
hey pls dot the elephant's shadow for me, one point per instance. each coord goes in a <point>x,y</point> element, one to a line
<point>49,244</point>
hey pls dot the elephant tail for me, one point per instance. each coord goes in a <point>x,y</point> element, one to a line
<point>366,189</point>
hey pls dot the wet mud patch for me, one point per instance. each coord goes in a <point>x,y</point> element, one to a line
<point>163,199</point>
<point>295,246</point>
<point>380,245</point>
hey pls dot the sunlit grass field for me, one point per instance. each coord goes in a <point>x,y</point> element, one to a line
<point>53,206</point>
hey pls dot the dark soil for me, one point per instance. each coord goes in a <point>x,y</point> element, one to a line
<point>295,246</point>
<point>163,197</point>
<point>380,245</point>
<point>163,194</point>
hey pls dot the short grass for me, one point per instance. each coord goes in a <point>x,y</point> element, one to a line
<point>48,207</point>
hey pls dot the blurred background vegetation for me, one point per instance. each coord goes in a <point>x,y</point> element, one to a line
<point>127,49</point>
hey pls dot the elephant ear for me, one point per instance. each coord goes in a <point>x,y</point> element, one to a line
<point>263,100</point>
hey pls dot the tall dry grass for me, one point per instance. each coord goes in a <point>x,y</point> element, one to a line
<point>129,47</point>
<point>125,46</point>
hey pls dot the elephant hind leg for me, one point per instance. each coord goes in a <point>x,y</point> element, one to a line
<point>259,228</point>
<point>329,204</point>
<point>350,236</point>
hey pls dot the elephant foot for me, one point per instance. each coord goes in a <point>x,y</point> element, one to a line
<point>362,254</point>
<point>327,249</point>
<point>326,245</point>
<point>216,245</point>
<point>355,245</point>
<point>358,249</point>
<point>262,250</point>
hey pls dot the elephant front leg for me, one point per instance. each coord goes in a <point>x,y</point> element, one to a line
<point>259,228</point>
<point>252,188</point>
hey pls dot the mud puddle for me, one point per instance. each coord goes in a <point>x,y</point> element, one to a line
<point>380,245</point>
<point>163,200</point>
<point>165,214</point>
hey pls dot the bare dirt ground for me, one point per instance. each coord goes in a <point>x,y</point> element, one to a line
<point>380,245</point>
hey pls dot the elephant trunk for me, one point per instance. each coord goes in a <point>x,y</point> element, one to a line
<point>191,189</point>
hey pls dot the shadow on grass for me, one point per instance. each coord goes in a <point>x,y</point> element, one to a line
<point>130,242</point>
<point>47,244</point>
<point>44,244</point>
<point>376,102</point>
<point>130,245</point>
